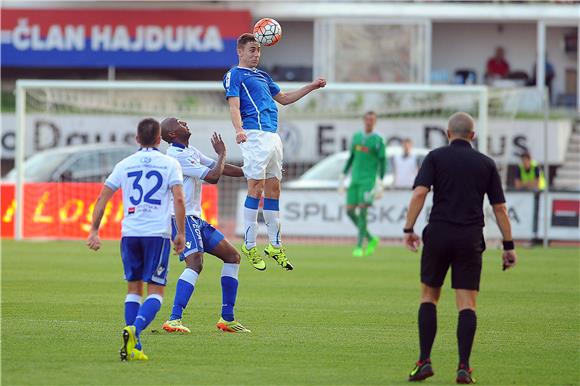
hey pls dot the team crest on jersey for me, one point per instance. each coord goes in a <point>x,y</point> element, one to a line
<point>362,148</point>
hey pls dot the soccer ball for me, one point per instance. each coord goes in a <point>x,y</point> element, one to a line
<point>267,31</point>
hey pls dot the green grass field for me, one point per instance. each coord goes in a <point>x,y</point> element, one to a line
<point>334,320</point>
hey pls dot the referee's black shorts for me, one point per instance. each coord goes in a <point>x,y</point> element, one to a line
<point>452,245</point>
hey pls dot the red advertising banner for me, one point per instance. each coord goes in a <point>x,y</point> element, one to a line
<point>65,210</point>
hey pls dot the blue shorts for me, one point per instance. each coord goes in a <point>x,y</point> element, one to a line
<point>146,258</point>
<point>200,236</point>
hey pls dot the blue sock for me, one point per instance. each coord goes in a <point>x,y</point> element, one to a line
<point>146,314</point>
<point>132,304</point>
<point>183,292</point>
<point>229,290</point>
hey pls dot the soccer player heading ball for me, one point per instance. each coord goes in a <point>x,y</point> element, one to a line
<point>251,95</point>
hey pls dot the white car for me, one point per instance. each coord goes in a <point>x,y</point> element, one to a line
<point>79,163</point>
<point>325,174</point>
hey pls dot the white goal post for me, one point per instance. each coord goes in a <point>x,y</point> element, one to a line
<point>324,103</point>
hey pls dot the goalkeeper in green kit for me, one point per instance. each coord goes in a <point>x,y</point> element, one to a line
<point>368,162</point>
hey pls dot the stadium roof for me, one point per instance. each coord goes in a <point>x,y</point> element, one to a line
<point>504,11</point>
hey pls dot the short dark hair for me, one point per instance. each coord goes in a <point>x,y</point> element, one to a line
<point>526,154</point>
<point>370,112</point>
<point>461,124</point>
<point>245,39</point>
<point>148,131</point>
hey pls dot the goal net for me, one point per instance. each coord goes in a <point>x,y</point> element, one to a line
<point>69,134</point>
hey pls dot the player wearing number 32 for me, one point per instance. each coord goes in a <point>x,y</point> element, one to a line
<point>252,97</point>
<point>148,179</point>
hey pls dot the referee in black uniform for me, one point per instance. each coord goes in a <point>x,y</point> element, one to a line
<point>460,176</point>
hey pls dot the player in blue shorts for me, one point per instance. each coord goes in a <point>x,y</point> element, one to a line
<point>252,97</point>
<point>201,236</point>
<point>148,179</point>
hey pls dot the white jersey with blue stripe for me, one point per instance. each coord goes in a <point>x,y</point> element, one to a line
<point>256,91</point>
<point>195,166</point>
<point>146,178</point>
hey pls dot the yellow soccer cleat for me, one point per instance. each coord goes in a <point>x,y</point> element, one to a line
<point>129,343</point>
<point>138,355</point>
<point>233,326</point>
<point>175,326</point>
<point>279,254</point>
<point>254,257</point>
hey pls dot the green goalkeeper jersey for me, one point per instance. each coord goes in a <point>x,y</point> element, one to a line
<point>367,158</point>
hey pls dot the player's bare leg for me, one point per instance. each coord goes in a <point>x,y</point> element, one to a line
<point>249,249</point>
<point>272,218</point>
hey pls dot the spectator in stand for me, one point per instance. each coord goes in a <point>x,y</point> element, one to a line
<point>529,175</point>
<point>405,166</point>
<point>497,67</point>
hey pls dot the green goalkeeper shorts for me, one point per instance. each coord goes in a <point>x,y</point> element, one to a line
<point>360,193</point>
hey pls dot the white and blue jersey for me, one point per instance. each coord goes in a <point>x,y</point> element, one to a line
<point>256,90</point>
<point>200,236</point>
<point>195,166</point>
<point>146,178</point>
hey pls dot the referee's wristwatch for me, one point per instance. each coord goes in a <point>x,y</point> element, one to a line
<point>408,230</point>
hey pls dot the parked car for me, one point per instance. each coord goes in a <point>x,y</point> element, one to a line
<point>79,163</point>
<point>325,174</point>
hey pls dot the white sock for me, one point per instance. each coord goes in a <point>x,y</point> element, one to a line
<point>251,221</point>
<point>272,219</point>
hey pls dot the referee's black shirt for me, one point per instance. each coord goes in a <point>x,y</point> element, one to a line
<point>460,177</point>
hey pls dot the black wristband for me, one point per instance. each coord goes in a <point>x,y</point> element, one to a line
<point>408,230</point>
<point>508,245</point>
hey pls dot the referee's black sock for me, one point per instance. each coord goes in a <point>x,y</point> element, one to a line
<point>466,325</point>
<point>427,328</point>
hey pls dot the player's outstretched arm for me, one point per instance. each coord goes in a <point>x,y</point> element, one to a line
<point>179,209</point>
<point>236,116</point>
<point>233,171</point>
<point>412,240</point>
<point>213,176</point>
<point>285,98</point>
<point>93,241</point>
